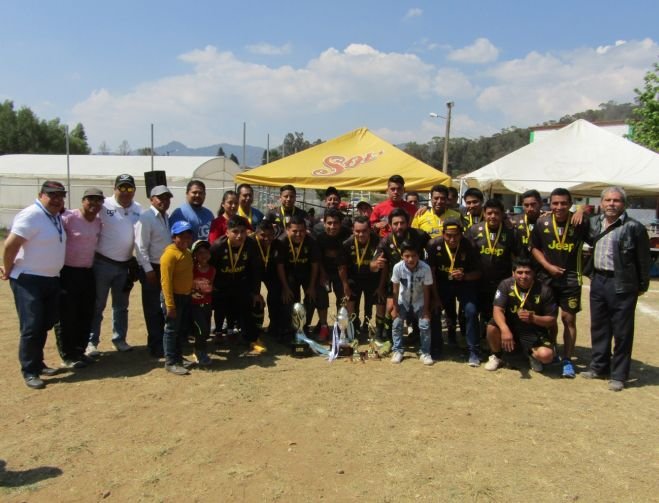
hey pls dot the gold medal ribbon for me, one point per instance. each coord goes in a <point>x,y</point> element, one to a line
<point>264,256</point>
<point>491,246</point>
<point>242,214</point>
<point>360,258</point>
<point>560,239</point>
<point>296,253</point>
<point>451,256</point>
<point>234,261</point>
<point>522,301</point>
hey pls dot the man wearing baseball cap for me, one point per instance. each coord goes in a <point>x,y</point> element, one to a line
<point>33,257</point>
<point>82,227</point>
<point>111,262</point>
<point>151,239</point>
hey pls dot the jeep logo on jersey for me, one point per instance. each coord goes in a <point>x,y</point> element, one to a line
<point>336,164</point>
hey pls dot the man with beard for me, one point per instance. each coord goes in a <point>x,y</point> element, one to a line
<point>245,208</point>
<point>432,221</point>
<point>193,211</point>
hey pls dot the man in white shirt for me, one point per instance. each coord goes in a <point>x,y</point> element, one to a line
<point>151,238</point>
<point>33,257</point>
<point>113,255</point>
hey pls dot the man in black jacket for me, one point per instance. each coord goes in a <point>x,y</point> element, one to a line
<point>621,261</point>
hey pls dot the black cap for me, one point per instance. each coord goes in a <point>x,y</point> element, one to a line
<point>124,180</point>
<point>51,186</point>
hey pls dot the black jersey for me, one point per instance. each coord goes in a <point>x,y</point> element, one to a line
<point>236,268</point>
<point>562,245</point>
<point>358,258</point>
<point>390,245</point>
<point>495,249</point>
<point>465,257</point>
<point>331,250</point>
<point>297,259</point>
<point>538,299</point>
<point>280,218</point>
<point>266,259</point>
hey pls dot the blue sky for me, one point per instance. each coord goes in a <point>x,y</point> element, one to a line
<point>198,69</point>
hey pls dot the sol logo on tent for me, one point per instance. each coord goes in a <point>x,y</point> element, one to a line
<point>335,164</point>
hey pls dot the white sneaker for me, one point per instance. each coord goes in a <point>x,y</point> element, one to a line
<point>122,346</point>
<point>536,366</point>
<point>397,357</point>
<point>92,350</point>
<point>426,359</point>
<point>493,363</point>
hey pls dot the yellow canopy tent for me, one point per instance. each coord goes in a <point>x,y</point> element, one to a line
<point>358,160</point>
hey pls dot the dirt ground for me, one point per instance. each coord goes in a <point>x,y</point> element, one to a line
<point>274,428</point>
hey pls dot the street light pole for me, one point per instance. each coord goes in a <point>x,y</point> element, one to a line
<point>449,105</point>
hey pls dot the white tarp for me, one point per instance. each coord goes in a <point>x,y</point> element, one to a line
<point>580,157</point>
<point>21,176</point>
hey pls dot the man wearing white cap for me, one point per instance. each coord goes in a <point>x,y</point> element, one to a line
<point>151,239</point>
<point>111,263</point>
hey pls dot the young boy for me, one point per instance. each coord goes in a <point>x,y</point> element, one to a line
<point>412,284</point>
<point>176,281</point>
<point>202,299</point>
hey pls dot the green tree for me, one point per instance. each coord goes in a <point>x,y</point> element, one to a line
<point>295,142</point>
<point>275,154</point>
<point>234,159</point>
<point>145,151</point>
<point>220,152</point>
<point>645,125</point>
<point>22,132</point>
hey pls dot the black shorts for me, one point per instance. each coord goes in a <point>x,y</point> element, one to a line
<point>568,298</point>
<point>529,339</point>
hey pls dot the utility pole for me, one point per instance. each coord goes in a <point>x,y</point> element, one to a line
<point>449,105</point>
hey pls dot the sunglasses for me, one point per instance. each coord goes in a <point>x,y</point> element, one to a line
<point>123,188</point>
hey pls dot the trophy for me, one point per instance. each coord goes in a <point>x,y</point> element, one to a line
<point>342,336</point>
<point>303,346</point>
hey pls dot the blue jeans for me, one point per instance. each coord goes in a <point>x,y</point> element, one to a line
<point>176,331</point>
<point>467,294</point>
<point>397,329</point>
<point>110,278</point>
<point>37,305</point>
<point>153,307</point>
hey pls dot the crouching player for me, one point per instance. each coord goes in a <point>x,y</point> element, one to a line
<point>412,291</point>
<point>524,310</point>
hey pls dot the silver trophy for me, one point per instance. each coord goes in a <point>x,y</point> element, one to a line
<point>299,318</point>
<point>343,321</point>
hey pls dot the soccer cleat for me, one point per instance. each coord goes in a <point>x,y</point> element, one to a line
<point>615,385</point>
<point>92,350</point>
<point>258,347</point>
<point>323,333</point>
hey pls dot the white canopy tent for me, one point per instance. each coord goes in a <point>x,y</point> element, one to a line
<point>21,176</point>
<point>580,157</point>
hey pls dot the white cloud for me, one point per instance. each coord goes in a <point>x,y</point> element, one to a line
<point>269,49</point>
<point>481,51</point>
<point>194,106</point>
<point>413,12</point>
<point>452,83</point>
<point>540,87</point>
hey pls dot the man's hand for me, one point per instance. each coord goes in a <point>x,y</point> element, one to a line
<point>555,271</point>
<point>287,296</point>
<point>507,340</point>
<point>3,275</point>
<point>458,274</point>
<point>379,263</point>
<point>526,316</point>
<point>151,278</point>
<point>171,313</point>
